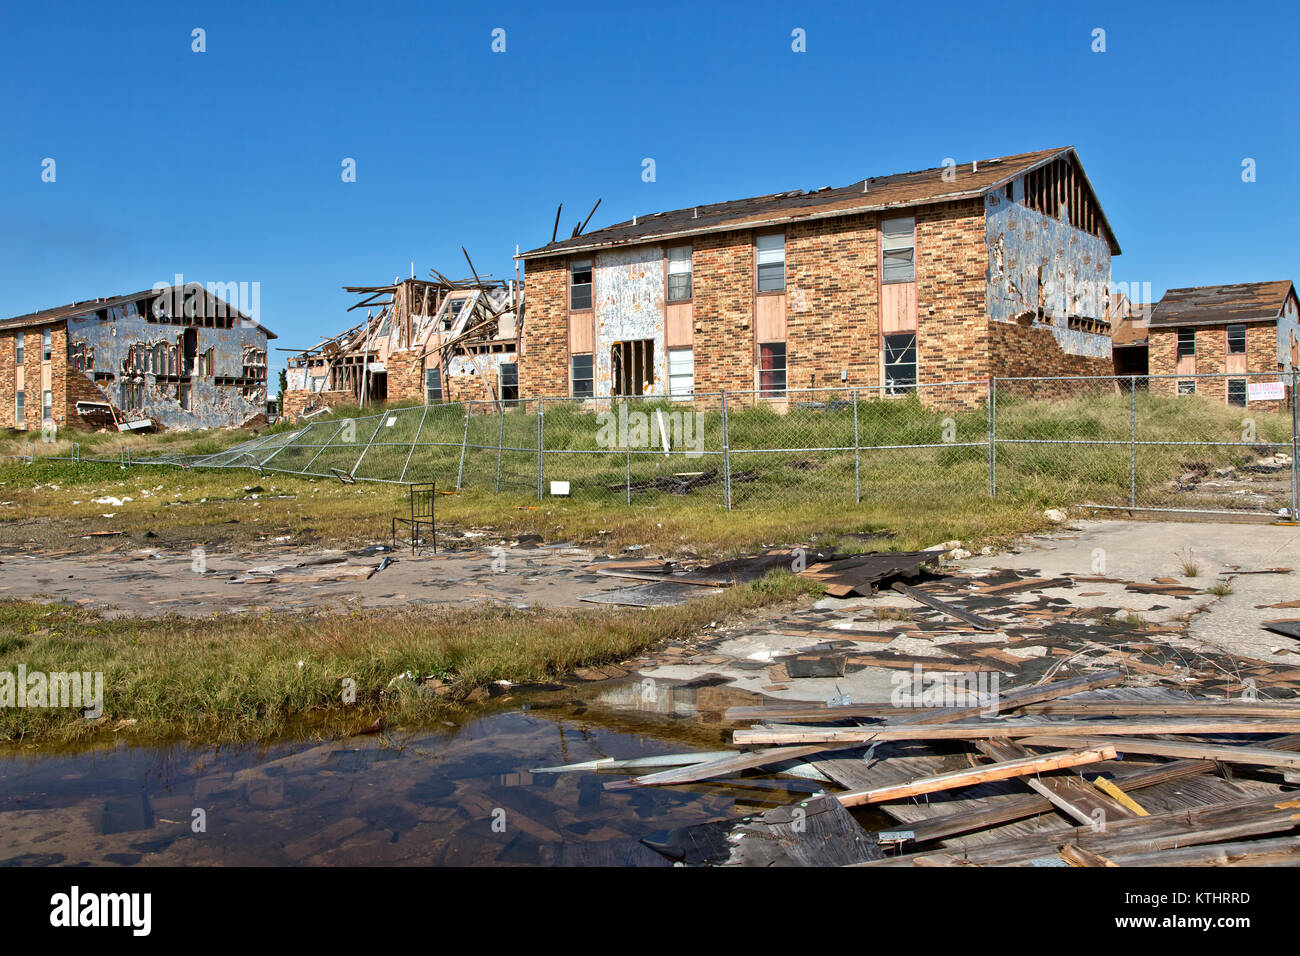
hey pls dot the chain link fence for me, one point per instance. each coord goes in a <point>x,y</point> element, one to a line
<point>1203,443</point>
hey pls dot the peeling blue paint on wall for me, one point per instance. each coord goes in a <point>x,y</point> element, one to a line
<point>1036,262</point>
<point>629,304</point>
<point>109,342</point>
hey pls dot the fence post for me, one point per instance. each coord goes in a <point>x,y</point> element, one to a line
<point>501,440</point>
<point>726,454</point>
<point>540,437</point>
<point>1132,442</point>
<point>627,448</point>
<point>1295,444</point>
<point>993,436</point>
<point>857,471</point>
<point>464,443</point>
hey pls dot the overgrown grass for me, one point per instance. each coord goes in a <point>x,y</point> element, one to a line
<point>250,677</point>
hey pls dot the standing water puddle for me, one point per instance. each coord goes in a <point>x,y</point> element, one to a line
<point>451,796</point>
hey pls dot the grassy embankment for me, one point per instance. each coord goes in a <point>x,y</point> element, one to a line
<point>244,678</point>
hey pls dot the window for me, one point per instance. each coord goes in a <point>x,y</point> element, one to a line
<point>183,393</point>
<point>679,274</point>
<point>1237,391</point>
<point>46,349</point>
<point>771,262</point>
<point>20,411</point>
<point>579,285</point>
<point>1236,340</point>
<point>432,385</point>
<point>1186,342</point>
<point>900,362</point>
<point>580,375</point>
<point>47,406</point>
<point>508,381</point>
<point>18,344</point>
<point>632,366</point>
<point>771,368</point>
<point>898,249</point>
<point>1187,387</point>
<point>451,312</point>
<point>681,372</point>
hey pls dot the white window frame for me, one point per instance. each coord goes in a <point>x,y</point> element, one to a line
<point>898,245</point>
<point>681,384</point>
<point>679,263</point>
<point>769,251</point>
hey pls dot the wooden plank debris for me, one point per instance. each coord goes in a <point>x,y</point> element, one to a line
<point>980,774</point>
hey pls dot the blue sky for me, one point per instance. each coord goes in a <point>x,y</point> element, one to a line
<point>225,166</point>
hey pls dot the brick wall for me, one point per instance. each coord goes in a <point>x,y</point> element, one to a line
<point>405,375</point>
<point>81,389</point>
<point>832,303</point>
<point>1022,351</point>
<point>299,400</point>
<point>32,378</point>
<point>722,292</point>
<point>1211,359</point>
<point>544,366</point>
<point>951,284</point>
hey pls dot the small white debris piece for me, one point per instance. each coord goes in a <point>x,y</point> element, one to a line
<point>1055,515</point>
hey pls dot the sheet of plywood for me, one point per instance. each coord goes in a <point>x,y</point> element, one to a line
<point>897,307</point>
<point>580,333</point>
<point>679,324</point>
<point>769,317</point>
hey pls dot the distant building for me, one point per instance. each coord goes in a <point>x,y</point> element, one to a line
<point>1247,332</point>
<point>179,357</point>
<point>954,274</point>
<point>426,341</point>
<point>1129,322</point>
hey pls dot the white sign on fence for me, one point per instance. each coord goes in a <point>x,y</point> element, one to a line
<point>1265,392</point>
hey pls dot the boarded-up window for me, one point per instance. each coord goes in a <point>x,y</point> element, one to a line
<point>580,285</point>
<point>900,362</point>
<point>771,368</point>
<point>679,274</point>
<point>898,249</point>
<point>681,372</point>
<point>771,262</point>
<point>580,376</point>
<point>1186,342</point>
<point>1236,340</point>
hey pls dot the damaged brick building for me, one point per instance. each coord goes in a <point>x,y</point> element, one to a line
<point>998,267</point>
<point>428,341</point>
<point>1247,332</point>
<point>174,357</point>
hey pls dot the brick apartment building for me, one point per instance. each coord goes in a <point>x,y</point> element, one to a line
<point>178,357</point>
<point>1247,332</point>
<point>998,267</point>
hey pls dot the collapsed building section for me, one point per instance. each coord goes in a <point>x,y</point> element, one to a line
<point>173,357</point>
<point>427,340</point>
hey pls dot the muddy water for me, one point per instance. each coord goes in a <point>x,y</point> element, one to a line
<point>447,795</point>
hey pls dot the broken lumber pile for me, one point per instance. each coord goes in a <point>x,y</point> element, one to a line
<point>1069,772</point>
